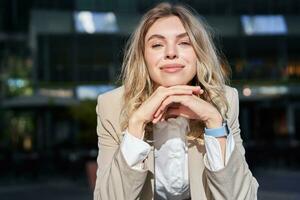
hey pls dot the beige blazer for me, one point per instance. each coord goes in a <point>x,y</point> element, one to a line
<point>117,181</point>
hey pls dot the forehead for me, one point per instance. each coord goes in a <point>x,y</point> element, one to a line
<point>167,27</point>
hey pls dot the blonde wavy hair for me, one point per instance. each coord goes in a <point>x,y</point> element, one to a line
<point>211,74</point>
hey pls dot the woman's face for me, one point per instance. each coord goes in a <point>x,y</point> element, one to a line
<point>169,55</point>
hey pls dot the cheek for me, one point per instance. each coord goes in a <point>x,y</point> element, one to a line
<point>149,59</point>
<point>192,60</point>
<point>190,57</point>
<point>152,59</point>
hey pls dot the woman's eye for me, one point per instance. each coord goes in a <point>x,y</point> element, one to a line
<point>184,43</point>
<point>156,45</point>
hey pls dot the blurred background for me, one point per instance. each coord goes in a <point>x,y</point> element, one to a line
<point>56,56</point>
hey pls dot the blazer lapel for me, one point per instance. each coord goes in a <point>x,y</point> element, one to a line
<point>196,167</point>
<point>150,160</point>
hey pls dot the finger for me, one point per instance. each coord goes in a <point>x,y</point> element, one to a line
<point>172,105</point>
<point>164,116</point>
<point>178,112</point>
<point>160,110</point>
<point>201,91</point>
<point>161,117</point>
<point>175,112</point>
<point>163,98</point>
<point>178,89</point>
<point>167,103</point>
<point>171,99</point>
<point>157,119</point>
<point>162,93</point>
<point>196,90</point>
<point>191,87</point>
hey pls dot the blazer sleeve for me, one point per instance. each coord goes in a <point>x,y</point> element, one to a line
<point>116,180</point>
<point>235,180</point>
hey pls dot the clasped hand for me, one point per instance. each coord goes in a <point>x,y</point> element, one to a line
<point>179,100</point>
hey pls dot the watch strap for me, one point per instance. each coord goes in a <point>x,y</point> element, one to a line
<point>218,132</point>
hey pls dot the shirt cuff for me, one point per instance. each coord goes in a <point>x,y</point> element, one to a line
<point>213,158</point>
<point>134,150</point>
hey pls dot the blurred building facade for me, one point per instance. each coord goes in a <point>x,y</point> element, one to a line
<point>57,55</point>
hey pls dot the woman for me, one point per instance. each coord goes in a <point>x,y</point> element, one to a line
<point>171,131</point>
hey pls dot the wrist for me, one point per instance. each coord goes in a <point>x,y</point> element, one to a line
<point>136,127</point>
<point>214,121</point>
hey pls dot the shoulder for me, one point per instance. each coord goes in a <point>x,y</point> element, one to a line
<point>230,93</point>
<point>111,102</point>
<point>114,94</point>
<point>109,107</point>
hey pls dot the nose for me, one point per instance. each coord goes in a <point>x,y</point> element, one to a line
<point>171,52</point>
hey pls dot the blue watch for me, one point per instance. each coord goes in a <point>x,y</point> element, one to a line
<point>217,132</point>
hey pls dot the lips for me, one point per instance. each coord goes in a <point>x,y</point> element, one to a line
<point>170,68</point>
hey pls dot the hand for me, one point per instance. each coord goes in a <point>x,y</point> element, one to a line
<point>145,113</point>
<point>191,107</point>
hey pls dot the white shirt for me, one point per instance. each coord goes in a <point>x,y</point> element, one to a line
<point>171,157</point>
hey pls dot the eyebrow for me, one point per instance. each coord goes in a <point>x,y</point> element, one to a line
<point>181,35</point>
